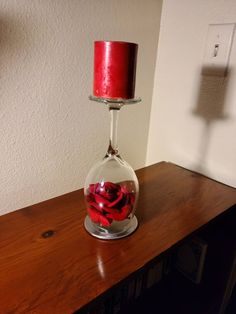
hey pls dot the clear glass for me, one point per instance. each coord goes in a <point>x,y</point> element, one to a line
<point>111,191</point>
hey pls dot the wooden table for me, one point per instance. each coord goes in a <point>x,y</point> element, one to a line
<point>50,264</point>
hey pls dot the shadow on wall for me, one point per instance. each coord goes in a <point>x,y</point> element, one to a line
<point>11,34</point>
<point>210,107</point>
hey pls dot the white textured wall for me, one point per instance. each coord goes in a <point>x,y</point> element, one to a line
<point>193,117</point>
<point>51,133</point>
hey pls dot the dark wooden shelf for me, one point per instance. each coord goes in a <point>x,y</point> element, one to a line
<point>177,294</point>
<point>50,264</point>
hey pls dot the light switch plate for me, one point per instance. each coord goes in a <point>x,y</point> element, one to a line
<point>217,50</point>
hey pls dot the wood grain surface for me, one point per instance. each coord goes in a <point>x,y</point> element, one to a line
<point>50,264</point>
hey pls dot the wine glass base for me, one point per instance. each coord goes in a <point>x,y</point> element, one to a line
<point>121,101</point>
<point>106,234</point>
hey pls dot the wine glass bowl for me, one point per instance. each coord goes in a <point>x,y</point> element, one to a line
<point>111,188</point>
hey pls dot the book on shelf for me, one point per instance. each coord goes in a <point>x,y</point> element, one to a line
<point>190,258</point>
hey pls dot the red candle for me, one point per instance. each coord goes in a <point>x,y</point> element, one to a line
<point>114,69</point>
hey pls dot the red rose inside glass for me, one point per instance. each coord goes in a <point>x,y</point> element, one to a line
<point>108,202</point>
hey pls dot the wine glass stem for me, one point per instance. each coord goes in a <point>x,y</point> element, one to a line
<point>113,146</point>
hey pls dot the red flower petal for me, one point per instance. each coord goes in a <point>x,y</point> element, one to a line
<point>93,214</point>
<point>116,201</point>
<point>109,190</point>
<point>100,199</point>
<point>126,210</point>
<point>131,198</point>
<point>111,186</point>
<point>91,188</point>
<point>124,189</point>
<point>105,221</point>
<point>96,206</point>
<point>97,217</point>
<point>108,210</point>
<point>108,201</point>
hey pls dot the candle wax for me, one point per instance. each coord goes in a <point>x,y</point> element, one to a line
<point>114,69</point>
